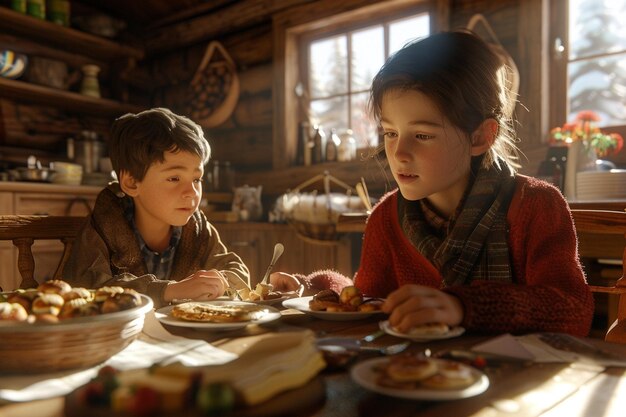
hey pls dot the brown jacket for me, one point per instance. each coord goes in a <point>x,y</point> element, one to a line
<point>107,252</point>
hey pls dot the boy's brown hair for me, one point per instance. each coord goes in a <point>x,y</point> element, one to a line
<point>139,140</point>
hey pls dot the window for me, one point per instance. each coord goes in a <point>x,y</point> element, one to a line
<point>596,67</point>
<point>589,61</point>
<point>340,68</point>
<point>325,54</point>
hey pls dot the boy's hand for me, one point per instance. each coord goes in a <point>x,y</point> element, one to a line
<point>284,282</point>
<point>414,305</point>
<point>202,285</point>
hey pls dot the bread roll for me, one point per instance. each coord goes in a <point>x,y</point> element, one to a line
<point>23,297</point>
<point>72,308</point>
<point>47,304</point>
<point>13,312</point>
<point>125,300</point>
<point>79,292</point>
<point>106,292</point>
<point>54,286</point>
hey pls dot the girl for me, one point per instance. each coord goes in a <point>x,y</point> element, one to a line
<point>464,241</point>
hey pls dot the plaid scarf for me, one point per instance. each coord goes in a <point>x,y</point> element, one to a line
<point>473,243</point>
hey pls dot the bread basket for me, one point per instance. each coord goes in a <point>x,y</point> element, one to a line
<point>70,344</point>
<point>314,215</point>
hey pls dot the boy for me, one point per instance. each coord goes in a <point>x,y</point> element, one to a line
<point>146,231</point>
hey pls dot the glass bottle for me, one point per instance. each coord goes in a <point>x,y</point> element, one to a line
<point>332,145</point>
<point>303,141</point>
<point>347,147</point>
<point>319,144</point>
<point>90,85</point>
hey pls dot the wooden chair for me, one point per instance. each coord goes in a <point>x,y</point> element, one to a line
<point>601,222</point>
<point>24,230</point>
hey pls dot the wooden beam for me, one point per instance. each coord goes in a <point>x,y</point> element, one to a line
<point>230,19</point>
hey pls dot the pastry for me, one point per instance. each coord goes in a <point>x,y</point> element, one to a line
<point>372,304</point>
<point>54,286</point>
<point>12,311</point>
<point>428,329</point>
<point>450,375</point>
<point>125,300</point>
<point>78,292</point>
<point>23,297</point>
<point>323,299</point>
<point>72,308</point>
<point>351,295</point>
<point>105,292</point>
<point>410,368</point>
<point>47,304</point>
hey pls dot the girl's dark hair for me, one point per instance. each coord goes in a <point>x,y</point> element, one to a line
<point>139,140</point>
<point>464,76</point>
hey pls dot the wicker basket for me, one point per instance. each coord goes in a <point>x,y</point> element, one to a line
<point>321,230</point>
<point>75,343</point>
<point>324,234</point>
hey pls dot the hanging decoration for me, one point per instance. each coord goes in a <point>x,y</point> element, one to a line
<point>214,89</point>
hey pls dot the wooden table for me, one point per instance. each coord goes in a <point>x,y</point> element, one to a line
<point>516,388</point>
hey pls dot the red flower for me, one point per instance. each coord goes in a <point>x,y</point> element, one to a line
<point>587,116</point>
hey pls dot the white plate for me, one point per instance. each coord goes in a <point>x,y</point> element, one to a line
<point>365,375</point>
<point>164,316</point>
<point>454,332</point>
<point>302,304</point>
<point>271,302</point>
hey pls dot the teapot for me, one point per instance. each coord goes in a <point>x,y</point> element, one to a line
<point>247,202</point>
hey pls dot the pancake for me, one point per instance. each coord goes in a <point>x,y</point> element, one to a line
<point>214,313</point>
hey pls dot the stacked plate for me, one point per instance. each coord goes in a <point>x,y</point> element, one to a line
<point>67,173</point>
<point>601,185</point>
<point>12,65</point>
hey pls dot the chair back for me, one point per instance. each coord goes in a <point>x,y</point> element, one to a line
<point>603,222</point>
<point>24,230</point>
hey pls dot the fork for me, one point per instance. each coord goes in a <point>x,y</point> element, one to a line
<point>387,350</point>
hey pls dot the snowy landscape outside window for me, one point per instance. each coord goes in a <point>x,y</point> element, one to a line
<point>341,68</point>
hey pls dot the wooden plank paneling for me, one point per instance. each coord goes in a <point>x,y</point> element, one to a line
<point>233,18</point>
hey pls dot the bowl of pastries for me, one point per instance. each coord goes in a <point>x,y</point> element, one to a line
<point>55,327</point>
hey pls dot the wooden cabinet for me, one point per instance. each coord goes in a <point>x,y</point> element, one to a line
<point>53,200</point>
<point>254,243</point>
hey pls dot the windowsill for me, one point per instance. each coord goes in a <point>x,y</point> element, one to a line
<point>276,182</point>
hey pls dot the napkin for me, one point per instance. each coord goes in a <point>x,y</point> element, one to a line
<point>267,364</point>
<point>154,345</point>
<point>550,348</point>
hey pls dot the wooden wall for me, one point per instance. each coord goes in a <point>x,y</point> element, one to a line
<point>246,138</point>
<point>174,51</point>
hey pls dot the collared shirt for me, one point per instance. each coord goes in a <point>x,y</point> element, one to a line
<point>159,264</point>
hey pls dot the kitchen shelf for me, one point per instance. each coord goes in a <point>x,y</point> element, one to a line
<point>72,40</point>
<point>67,100</point>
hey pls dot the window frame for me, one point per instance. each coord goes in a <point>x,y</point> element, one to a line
<point>323,16</point>
<point>559,29</point>
<point>385,21</point>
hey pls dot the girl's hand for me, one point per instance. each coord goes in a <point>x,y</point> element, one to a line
<point>202,285</point>
<point>414,305</point>
<point>284,282</point>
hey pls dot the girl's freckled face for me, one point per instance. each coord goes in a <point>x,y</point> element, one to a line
<point>429,157</point>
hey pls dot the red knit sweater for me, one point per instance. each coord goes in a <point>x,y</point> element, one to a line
<point>549,293</point>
